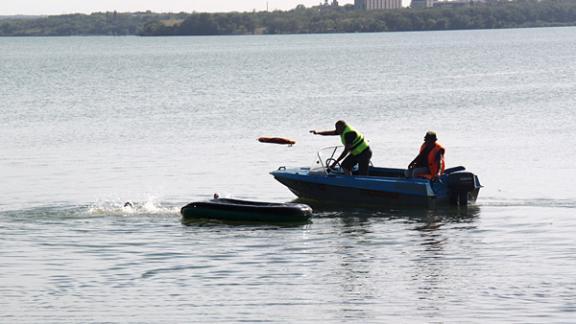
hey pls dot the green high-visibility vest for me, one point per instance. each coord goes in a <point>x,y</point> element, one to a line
<point>359,144</point>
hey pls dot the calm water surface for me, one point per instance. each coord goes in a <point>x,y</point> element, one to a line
<point>89,123</point>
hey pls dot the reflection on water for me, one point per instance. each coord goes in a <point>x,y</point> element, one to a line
<point>426,215</point>
<point>426,246</point>
<point>260,225</point>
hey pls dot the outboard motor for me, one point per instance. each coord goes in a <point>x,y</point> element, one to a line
<point>463,187</point>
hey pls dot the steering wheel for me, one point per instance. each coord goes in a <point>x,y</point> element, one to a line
<point>329,162</point>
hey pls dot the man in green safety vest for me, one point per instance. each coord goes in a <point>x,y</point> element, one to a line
<point>356,149</point>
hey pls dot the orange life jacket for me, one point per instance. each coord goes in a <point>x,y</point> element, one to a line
<point>435,167</point>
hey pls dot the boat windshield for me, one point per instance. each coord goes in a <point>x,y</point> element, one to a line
<point>325,157</point>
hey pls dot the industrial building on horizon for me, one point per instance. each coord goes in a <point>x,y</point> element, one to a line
<point>397,4</point>
<point>448,3</point>
<point>377,4</point>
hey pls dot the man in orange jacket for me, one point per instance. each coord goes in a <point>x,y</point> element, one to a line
<point>429,163</point>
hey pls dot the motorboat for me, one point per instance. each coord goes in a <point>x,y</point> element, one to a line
<point>246,211</point>
<point>381,187</point>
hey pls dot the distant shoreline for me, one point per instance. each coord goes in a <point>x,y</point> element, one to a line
<point>316,20</point>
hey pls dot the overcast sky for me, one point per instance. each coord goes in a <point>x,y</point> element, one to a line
<point>39,7</point>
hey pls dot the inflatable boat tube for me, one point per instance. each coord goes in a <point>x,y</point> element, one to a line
<point>244,210</point>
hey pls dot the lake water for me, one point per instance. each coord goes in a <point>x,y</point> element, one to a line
<point>88,123</point>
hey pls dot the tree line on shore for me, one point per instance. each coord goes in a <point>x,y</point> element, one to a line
<point>301,20</point>
<point>101,23</point>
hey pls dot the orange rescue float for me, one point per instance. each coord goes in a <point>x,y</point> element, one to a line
<point>276,140</point>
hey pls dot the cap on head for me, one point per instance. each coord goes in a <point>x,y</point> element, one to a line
<point>430,136</point>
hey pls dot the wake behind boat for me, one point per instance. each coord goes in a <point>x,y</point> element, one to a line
<point>382,187</point>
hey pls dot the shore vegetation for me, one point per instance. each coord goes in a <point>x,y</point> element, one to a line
<point>300,20</point>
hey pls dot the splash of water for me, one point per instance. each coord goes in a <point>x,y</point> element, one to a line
<point>151,206</point>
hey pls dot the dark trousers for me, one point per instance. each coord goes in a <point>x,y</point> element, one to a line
<point>362,159</point>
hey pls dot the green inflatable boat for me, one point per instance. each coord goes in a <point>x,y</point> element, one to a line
<point>247,211</point>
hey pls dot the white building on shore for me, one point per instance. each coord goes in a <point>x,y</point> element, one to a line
<point>422,3</point>
<point>377,4</point>
<point>448,3</point>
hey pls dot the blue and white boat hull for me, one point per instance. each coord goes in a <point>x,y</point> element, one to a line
<point>386,187</point>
